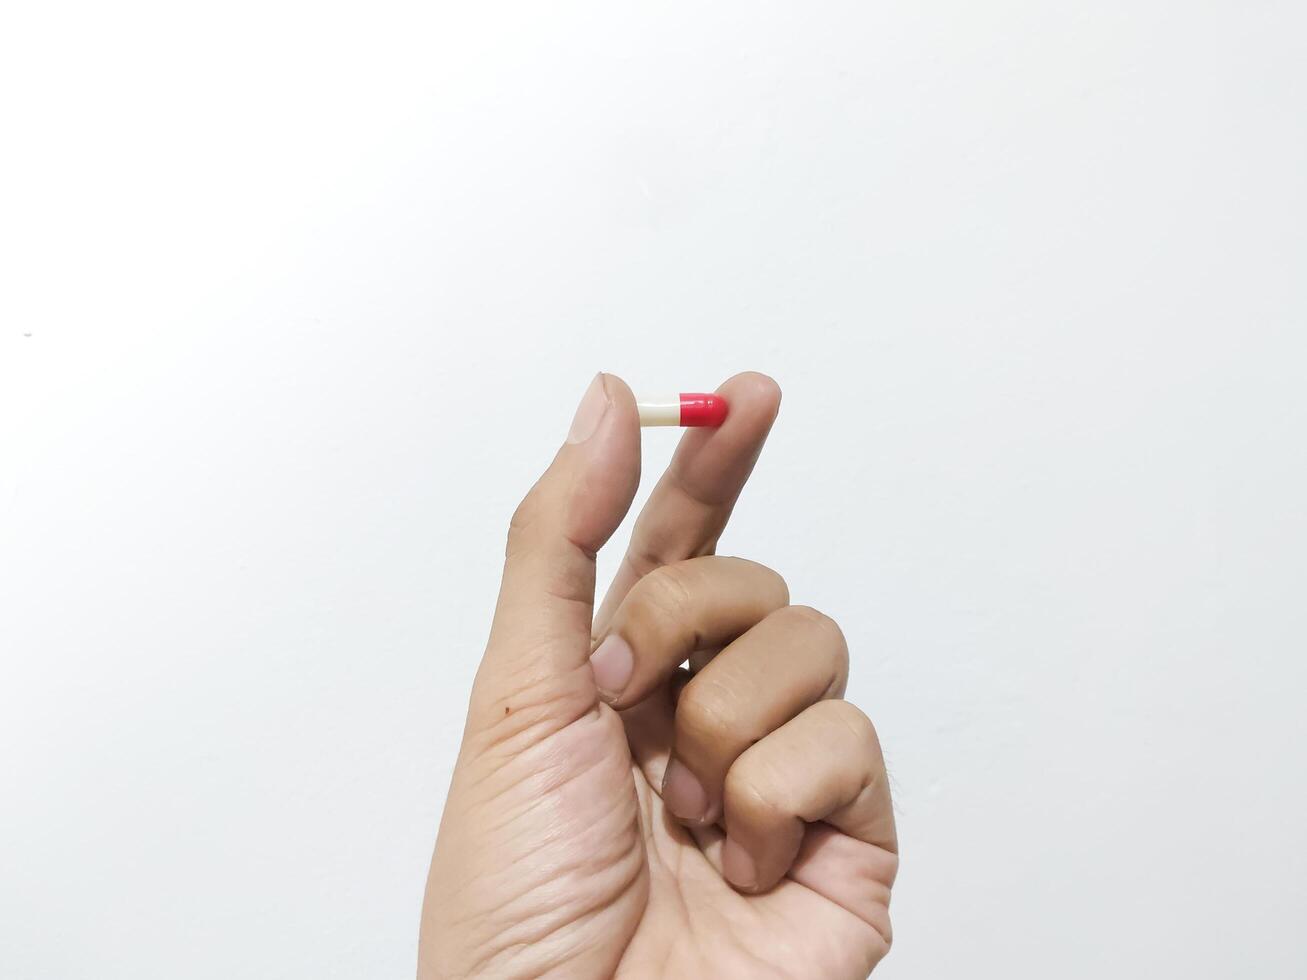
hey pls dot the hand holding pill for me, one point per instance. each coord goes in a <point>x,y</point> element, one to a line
<point>614,811</point>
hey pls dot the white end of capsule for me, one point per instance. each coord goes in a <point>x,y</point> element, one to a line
<point>662,410</point>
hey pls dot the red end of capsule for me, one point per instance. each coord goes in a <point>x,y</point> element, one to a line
<point>702,409</point>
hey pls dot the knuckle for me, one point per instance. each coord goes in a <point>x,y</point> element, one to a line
<point>775,581</point>
<point>643,560</point>
<point>703,715</point>
<point>856,722</point>
<point>754,790</point>
<point>524,519</point>
<point>653,547</point>
<point>818,622</point>
<point>813,618</point>
<point>667,589</point>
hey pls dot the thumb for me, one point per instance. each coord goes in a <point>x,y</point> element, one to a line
<point>537,660</point>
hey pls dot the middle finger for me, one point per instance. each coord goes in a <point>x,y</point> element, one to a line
<point>674,611</point>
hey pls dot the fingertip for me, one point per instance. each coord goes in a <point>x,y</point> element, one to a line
<point>605,469</point>
<point>685,797</point>
<point>620,393</point>
<point>713,465</point>
<point>738,866</point>
<point>754,393</point>
<point>612,664</point>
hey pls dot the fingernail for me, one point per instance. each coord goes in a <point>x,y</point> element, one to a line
<point>738,866</point>
<point>589,413</point>
<point>612,663</point>
<point>683,793</point>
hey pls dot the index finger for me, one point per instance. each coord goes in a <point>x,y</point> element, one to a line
<point>688,509</point>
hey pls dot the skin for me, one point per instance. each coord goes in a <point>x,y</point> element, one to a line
<point>613,814</point>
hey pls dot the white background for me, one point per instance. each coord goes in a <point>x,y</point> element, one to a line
<point>297,299</point>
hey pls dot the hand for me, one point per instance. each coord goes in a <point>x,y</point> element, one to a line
<point>615,815</point>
